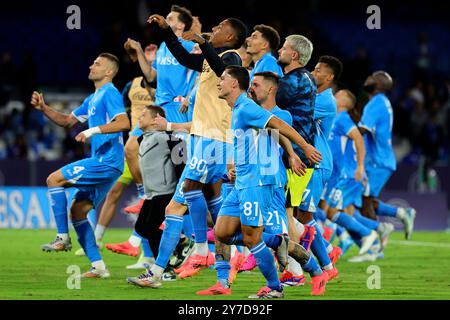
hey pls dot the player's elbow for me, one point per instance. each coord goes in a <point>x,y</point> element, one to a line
<point>69,122</point>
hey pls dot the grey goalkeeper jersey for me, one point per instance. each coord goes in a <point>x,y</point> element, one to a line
<point>158,171</point>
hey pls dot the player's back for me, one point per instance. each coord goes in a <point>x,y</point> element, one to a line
<point>378,120</point>
<point>342,147</point>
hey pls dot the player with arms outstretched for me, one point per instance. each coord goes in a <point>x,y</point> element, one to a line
<point>94,176</point>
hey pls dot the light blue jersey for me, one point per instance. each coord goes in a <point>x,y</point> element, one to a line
<point>286,117</point>
<point>98,109</point>
<point>256,157</point>
<point>266,63</point>
<point>378,119</point>
<point>173,80</point>
<point>324,114</point>
<point>343,148</point>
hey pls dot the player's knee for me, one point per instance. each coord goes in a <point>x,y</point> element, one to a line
<point>330,214</point>
<point>80,209</point>
<point>305,217</point>
<point>250,240</point>
<point>76,214</point>
<point>53,180</point>
<point>175,208</point>
<point>222,235</point>
<point>190,185</point>
<point>114,194</point>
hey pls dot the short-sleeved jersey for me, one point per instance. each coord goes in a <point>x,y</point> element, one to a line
<point>255,158</point>
<point>342,147</point>
<point>98,109</point>
<point>266,63</point>
<point>324,114</point>
<point>172,79</point>
<point>378,119</point>
<point>297,94</point>
<point>286,117</point>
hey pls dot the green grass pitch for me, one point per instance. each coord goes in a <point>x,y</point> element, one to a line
<point>418,269</point>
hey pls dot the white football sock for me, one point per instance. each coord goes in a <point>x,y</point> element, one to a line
<point>299,227</point>
<point>344,236</point>
<point>328,267</point>
<point>157,271</point>
<point>294,267</point>
<point>135,241</point>
<point>233,250</point>
<point>99,231</point>
<point>201,249</point>
<point>99,265</point>
<point>401,213</point>
<point>64,236</point>
<point>329,248</point>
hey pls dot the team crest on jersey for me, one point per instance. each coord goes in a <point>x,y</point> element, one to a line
<point>141,97</point>
<point>206,68</point>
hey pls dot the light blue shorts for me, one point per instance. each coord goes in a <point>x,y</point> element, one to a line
<point>251,205</point>
<point>314,190</point>
<point>91,178</point>
<point>346,192</point>
<point>377,179</point>
<point>275,222</point>
<point>207,159</point>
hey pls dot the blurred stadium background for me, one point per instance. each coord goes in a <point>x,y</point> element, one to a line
<point>37,51</point>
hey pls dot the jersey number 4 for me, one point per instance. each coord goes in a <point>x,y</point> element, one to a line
<point>77,169</point>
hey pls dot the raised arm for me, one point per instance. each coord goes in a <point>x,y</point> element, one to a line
<point>61,119</point>
<point>146,66</point>
<point>356,136</point>
<point>189,60</point>
<point>286,130</point>
<point>217,63</point>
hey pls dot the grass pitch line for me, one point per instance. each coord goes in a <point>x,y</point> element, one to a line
<point>421,244</point>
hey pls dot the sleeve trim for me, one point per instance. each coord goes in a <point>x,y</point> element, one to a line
<point>81,119</point>
<point>118,114</point>
<point>271,116</point>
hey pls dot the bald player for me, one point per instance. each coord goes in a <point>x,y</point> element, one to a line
<point>376,126</point>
